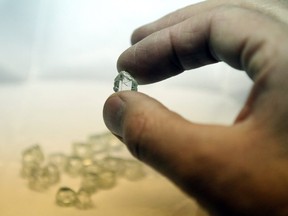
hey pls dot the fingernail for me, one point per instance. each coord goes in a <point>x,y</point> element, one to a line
<point>113,114</point>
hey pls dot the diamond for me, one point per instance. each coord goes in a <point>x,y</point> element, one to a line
<point>84,199</point>
<point>33,154</point>
<point>59,160</point>
<point>43,177</point>
<point>74,166</point>
<point>99,162</point>
<point>124,81</point>
<point>66,197</point>
<point>92,170</point>
<point>106,180</point>
<point>30,170</point>
<point>53,173</point>
<point>90,178</point>
<point>89,183</point>
<point>115,165</point>
<point>98,143</point>
<point>81,150</point>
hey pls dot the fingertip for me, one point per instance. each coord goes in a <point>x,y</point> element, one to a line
<point>112,114</point>
<point>135,37</point>
<point>121,107</point>
<point>138,34</point>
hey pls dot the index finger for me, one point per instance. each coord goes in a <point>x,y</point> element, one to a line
<point>222,34</point>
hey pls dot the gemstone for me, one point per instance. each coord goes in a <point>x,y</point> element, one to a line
<point>40,181</point>
<point>89,183</point>
<point>124,81</point>
<point>30,170</point>
<point>53,173</point>
<point>90,177</point>
<point>66,197</point>
<point>92,170</point>
<point>99,156</point>
<point>98,143</point>
<point>81,150</point>
<point>106,180</point>
<point>115,165</point>
<point>33,154</point>
<point>74,166</point>
<point>59,160</point>
<point>83,199</point>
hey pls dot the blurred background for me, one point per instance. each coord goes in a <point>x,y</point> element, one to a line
<point>57,66</point>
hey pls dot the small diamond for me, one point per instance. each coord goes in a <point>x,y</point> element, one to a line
<point>99,156</point>
<point>106,180</point>
<point>124,81</point>
<point>92,170</point>
<point>53,173</point>
<point>59,160</point>
<point>115,165</point>
<point>33,154</point>
<point>89,183</point>
<point>84,199</point>
<point>30,170</point>
<point>66,197</point>
<point>39,182</point>
<point>74,166</point>
<point>82,150</point>
<point>98,143</point>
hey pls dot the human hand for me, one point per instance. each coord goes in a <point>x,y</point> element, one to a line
<point>231,170</point>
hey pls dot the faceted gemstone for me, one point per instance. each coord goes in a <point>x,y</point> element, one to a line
<point>98,143</point>
<point>30,170</point>
<point>82,150</point>
<point>66,197</point>
<point>89,183</point>
<point>93,169</point>
<point>124,81</point>
<point>83,199</point>
<point>106,180</point>
<point>90,177</point>
<point>40,181</point>
<point>113,164</point>
<point>33,154</point>
<point>74,166</point>
<point>59,160</point>
<point>53,173</point>
<point>99,156</point>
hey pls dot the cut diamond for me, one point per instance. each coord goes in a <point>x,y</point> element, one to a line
<point>124,81</point>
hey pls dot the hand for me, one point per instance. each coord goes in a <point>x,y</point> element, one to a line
<point>231,170</point>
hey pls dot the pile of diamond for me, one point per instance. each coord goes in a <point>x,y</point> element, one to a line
<point>98,162</point>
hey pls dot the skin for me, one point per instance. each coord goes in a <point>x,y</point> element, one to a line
<point>240,169</point>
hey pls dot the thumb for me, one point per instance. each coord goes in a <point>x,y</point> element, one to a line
<point>163,139</point>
